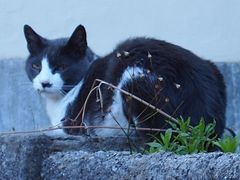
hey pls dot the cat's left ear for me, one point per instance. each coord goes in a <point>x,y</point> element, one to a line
<point>35,42</point>
<point>77,43</point>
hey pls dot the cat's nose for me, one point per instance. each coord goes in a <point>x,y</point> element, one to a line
<point>46,84</point>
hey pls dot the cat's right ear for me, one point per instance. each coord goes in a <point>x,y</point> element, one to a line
<point>77,43</point>
<point>35,42</point>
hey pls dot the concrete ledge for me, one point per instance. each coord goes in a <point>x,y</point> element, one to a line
<point>122,165</point>
<point>40,156</point>
<point>21,156</point>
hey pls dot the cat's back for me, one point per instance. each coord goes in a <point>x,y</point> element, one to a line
<point>175,64</point>
<point>159,57</point>
<point>170,77</point>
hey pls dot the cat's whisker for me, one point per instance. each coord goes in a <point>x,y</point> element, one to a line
<point>61,92</point>
<point>25,83</point>
<point>64,87</point>
<point>52,87</point>
<point>28,82</point>
<point>72,85</point>
<point>69,86</point>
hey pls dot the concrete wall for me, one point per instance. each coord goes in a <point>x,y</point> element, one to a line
<point>20,106</point>
<point>41,157</point>
<point>209,28</point>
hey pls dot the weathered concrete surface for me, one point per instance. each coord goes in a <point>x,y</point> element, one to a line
<point>122,165</point>
<point>22,109</point>
<point>21,156</point>
<point>39,156</point>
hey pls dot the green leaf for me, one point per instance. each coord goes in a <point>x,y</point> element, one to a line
<point>167,138</point>
<point>188,139</point>
<point>228,143</point>
<point>154,144</point>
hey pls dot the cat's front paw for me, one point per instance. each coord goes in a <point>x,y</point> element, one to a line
<point>72,127</point>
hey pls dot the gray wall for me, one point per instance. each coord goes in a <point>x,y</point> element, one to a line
<point>20,106</point>
<point>209,28</point>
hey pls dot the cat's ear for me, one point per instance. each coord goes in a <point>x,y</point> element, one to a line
<point>77,43</point>
<point>35,42</point>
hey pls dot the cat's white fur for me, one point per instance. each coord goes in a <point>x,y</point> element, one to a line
<point>117,113</point>
<point>46,76</point>
<point>56,109</point>
<point>56,103</point>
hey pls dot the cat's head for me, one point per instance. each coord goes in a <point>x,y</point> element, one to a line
<point>55,66</point>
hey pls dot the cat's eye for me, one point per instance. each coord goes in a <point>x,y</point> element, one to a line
<point>36,66</point>
<point>61,67</point>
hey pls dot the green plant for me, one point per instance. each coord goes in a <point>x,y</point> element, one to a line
<point>183,138</point>
<point>228,143</point>
<point>162,144</point>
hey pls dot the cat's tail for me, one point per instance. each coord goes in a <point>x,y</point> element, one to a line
<point>233,134</point>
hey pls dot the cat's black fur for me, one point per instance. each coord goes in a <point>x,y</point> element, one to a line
<point>174,80</point>
<point>201,92</point>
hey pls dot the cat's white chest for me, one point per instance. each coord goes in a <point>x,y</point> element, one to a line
<point>56,108</point>
<point>54,111</point>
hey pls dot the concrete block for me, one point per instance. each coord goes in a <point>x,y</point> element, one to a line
<point>40,156</point>
<point>21,156</point>
<point>122,165</point>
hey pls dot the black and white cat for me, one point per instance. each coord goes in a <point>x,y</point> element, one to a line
<point>167,76</point>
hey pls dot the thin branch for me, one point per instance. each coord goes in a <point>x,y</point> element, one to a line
<point>82,127</point>
<point>140,100</point>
